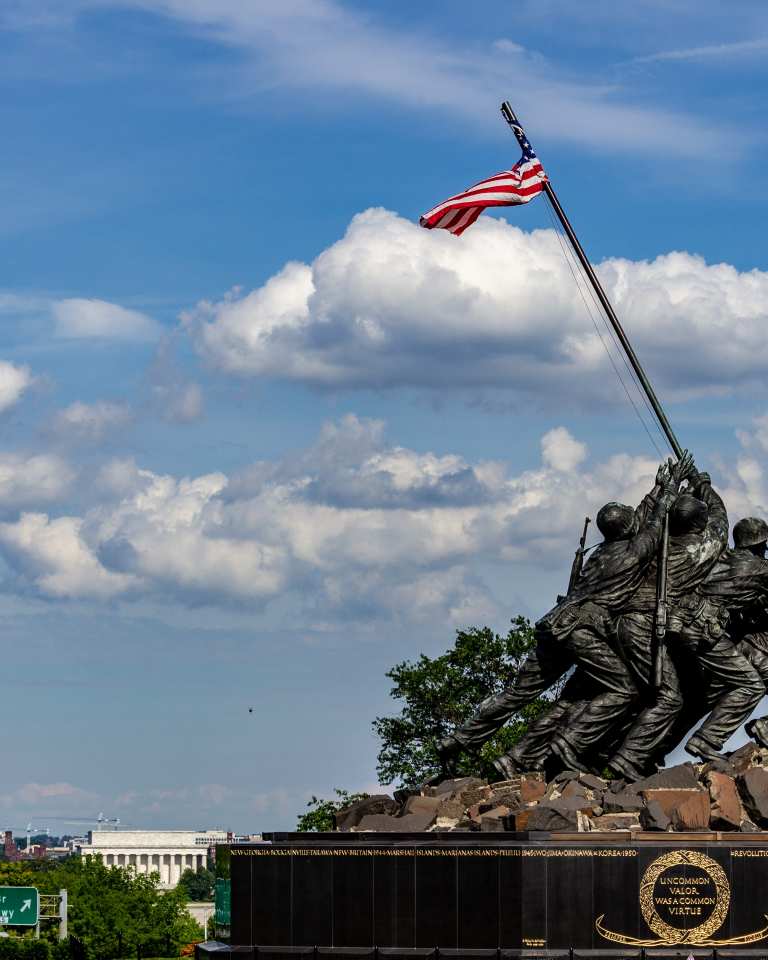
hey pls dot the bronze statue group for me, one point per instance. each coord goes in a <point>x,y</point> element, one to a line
<point>641,673</point>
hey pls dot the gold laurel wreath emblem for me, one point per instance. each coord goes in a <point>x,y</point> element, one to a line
<point>669,935</point>
<point>680,858</point>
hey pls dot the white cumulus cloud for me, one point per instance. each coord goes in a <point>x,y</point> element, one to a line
<point>746,474</point>
<point>80,318</point>
<point>90,422</point>
<point>29,480</point>
<point>13,382</point>
<point>391,304</point>
<point>561,451</point>
<point>351,528</point>
<point>34,794</point>
<point>52,555</point>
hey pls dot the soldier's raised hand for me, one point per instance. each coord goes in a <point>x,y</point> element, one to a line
<point>684,469</point>
<point>664,475</point>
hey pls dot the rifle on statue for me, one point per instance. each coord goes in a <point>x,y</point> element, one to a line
<point>578,560</point>
<point>660,620</point>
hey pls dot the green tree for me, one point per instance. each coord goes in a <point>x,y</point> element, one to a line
<point>18,948</point>
<point>173,923</point>
<point>20,873</point>
<point>111,909</point>
<point>439,693</point>
<point>198,884</point>
<point>320,815</point>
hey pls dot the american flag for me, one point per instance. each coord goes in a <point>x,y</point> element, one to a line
<point>519,185</point>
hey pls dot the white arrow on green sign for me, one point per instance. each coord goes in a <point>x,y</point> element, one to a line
<point>19,906</point>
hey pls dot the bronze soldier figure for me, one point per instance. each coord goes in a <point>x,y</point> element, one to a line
<point>534,749</point>
<point>578,631</point>
<point>702,644</point>
<point>698,528</point>
<point>750,625</point>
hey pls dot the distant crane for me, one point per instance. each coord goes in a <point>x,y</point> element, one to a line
<point>114,822</point>
<point>35,830</point>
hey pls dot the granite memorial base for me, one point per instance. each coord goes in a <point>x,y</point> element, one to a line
<point>369,896</point>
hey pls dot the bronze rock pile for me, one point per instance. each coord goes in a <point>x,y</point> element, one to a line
<point>730,794</point>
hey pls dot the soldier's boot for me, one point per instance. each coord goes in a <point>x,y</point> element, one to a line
<point>566,754</point>
<point>758,730</point>
<point>448,749</point>
<point>697,746</point>
<point>623,768</point>
<point>507,766</point>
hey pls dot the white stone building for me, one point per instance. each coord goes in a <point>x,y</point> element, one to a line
<point>167,852</point>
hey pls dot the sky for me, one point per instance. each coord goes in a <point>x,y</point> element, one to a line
<point>263,437</point>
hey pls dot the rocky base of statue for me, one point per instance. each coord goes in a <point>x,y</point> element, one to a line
<point>730,794</point>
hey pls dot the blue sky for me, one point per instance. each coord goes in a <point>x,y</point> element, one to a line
<point>262,436</point>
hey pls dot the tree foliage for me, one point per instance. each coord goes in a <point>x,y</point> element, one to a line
<point>14,948</point>
<point>439,693</point>
<point>111,910</point>
<point>198,884</point>
<point>320,815</point>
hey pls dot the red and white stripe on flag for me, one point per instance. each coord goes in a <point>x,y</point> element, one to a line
<point>519,185</point>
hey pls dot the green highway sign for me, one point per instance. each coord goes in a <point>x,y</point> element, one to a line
<point>19,906</point>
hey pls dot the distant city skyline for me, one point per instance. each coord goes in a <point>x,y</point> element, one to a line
<point>263,436</point>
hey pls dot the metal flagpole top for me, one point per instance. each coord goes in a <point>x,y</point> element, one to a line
<point>511,117</point>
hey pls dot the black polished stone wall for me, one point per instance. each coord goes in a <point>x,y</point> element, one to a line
<point>470,898</point>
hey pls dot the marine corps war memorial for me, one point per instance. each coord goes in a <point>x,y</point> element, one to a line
<point>590,843</point>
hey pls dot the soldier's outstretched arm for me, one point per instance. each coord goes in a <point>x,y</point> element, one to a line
<point>645,542</point>
<point>649,501</point>
<point>679,471</point>
<point>717,523</point>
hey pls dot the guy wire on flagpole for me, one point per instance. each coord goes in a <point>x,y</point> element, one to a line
<point>590,300</point>
<point>572,267</point>
<point>509,115</point>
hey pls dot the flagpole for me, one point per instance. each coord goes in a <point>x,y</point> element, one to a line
<point>509,115</point>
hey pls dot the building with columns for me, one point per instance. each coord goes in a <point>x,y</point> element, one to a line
<point>167,852</point>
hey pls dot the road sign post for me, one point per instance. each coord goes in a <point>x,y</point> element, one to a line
<point>63,903</point>
<point>19,906</point>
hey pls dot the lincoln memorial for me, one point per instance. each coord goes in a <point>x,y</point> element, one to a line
<point>167,852</point>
